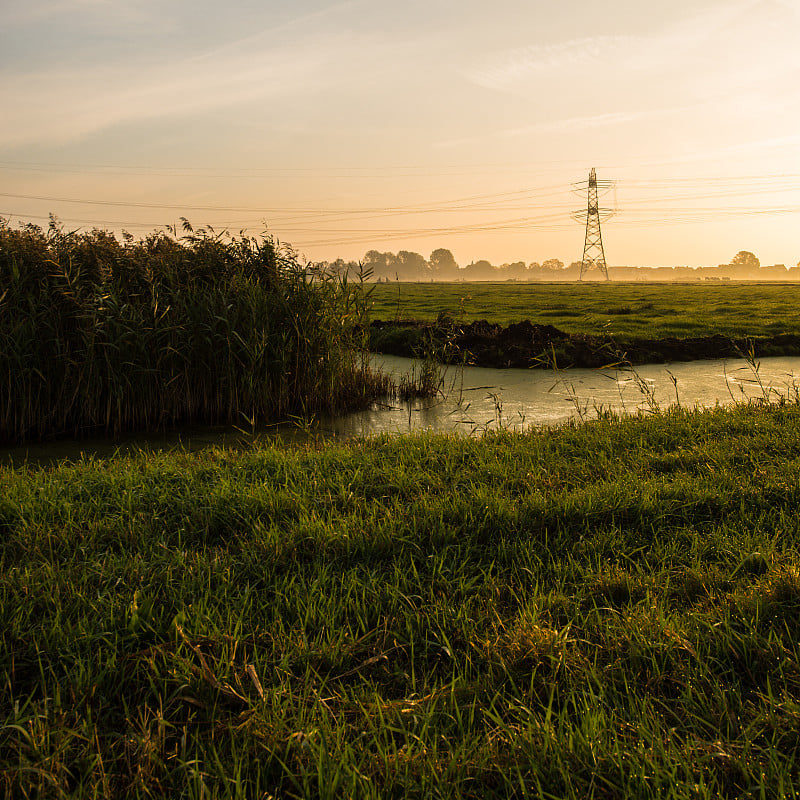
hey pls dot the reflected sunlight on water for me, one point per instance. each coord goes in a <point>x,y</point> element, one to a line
<point>474,400</point>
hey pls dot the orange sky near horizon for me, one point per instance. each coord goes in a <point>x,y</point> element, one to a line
<point>341,127</point>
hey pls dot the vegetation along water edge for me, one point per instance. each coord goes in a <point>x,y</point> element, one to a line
<point>585,325</point>
<point>101,336</point>
<point>609,609</point>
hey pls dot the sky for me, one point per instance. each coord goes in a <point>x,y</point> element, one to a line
<point>340,127</point>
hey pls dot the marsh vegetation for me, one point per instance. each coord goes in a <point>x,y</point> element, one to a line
<point>101,336</point>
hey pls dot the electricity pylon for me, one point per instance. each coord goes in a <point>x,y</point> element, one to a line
<point>593,255</point>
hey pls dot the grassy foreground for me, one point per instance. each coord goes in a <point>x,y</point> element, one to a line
<point>606,610</point>
<point>623,309</point>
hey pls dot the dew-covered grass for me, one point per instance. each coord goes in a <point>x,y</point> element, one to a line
<point>609,609</point>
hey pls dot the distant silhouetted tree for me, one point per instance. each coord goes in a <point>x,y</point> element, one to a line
<point>382,265</point>
<point>479,271</point>
<point>744,263</point>
<point>744,258</point>
<point>443,264</point>
<point>516,270</point>
<point>341,267</point>
<point>412,266</point>
<point>552,264</point>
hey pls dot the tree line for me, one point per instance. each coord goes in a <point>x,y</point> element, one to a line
<point>406,265</point>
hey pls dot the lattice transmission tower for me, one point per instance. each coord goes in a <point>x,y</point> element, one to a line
<point>594,257</point>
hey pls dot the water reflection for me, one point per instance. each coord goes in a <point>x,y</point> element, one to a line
<point>476,399</point>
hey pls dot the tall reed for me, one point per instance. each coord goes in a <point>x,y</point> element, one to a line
<point>98,335</point>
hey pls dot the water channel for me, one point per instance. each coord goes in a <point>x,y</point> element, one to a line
<point>474,399</point>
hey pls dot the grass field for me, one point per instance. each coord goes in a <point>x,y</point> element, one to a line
<point>610,610</point>
<point>606,610</point>
<point>621,309</point>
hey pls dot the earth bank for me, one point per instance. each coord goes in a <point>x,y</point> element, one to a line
<point>527,345</point>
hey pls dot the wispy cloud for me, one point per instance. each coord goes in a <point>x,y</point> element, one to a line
<point>705,42</point>
<point>522,63</point>
<point>105,13</point>
<point>574,124</point>
<point>790,5</point>
<point>303,55</point>
<point>292,61</point>
<point>73,104</point>
<point>767,146</point>
<point>302,23</point>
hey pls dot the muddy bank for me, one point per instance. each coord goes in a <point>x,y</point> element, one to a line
<point>526,345</point>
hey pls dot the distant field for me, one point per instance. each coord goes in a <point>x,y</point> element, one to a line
<point>623,309</point>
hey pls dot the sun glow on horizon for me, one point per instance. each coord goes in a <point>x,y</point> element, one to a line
<point>344,127</point>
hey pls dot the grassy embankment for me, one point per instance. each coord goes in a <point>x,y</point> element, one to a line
<point>604,610</point>
<point>98,336</point>
<point>626,310</point>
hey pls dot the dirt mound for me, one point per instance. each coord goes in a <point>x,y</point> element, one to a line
<point>526,345</point>
<point>517,345</point>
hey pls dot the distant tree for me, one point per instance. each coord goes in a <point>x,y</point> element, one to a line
<point>479,271</point>
<point>443,264</point>
<point>745,260</point>
<point>382,265</point>
<point>552,264</point>
<point>373,260</point>
<point>744,264</point>
<point>412,266</point>
<point>341,267</point>
<point>572,272</point>
<point>516,270</point>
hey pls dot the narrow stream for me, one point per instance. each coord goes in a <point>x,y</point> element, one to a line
<point>474,399</point>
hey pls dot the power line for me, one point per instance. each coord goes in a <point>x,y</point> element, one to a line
<point>446,205</point>
<point>546,209</point>
<point>376,171</point>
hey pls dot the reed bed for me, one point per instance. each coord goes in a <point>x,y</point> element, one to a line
<point>103,336</point>
<point>606,610</point>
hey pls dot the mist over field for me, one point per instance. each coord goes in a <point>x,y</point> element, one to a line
<point>442,266</point>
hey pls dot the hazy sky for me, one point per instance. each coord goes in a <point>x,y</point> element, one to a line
<point>347,126</point>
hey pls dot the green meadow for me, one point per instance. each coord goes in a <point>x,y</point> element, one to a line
<point>640,310</point>
<point>609,609</point>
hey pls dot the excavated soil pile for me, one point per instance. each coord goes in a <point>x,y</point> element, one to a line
<point>525,344</point>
